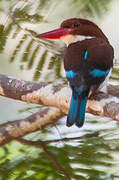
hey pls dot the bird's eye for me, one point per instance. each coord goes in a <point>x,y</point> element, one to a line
<point>76,25</point>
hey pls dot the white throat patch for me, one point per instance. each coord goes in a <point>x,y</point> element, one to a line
<point>68,39</point>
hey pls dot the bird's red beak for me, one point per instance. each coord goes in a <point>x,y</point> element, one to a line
<point>54,34</point>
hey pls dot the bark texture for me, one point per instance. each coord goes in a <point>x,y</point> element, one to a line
<point>54,95</point>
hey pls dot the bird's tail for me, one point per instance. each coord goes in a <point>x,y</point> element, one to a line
<point>77,107</point>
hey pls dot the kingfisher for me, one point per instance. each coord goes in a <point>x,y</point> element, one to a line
<point>88,60</point>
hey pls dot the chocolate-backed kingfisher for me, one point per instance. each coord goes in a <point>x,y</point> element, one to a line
<point>88,60</point>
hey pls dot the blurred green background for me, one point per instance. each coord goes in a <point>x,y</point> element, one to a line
<point>94,155</point>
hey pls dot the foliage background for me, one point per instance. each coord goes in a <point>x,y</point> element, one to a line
<point>94,151</point>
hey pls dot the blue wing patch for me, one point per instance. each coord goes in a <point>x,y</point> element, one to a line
<point>70,74</point>
<point>99,73</point>
<point>85,55</point>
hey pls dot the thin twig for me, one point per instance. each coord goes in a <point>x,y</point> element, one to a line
<point>43,146</point>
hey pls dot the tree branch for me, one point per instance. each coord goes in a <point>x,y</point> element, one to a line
<point>37,121</point>
<point>58,95</point>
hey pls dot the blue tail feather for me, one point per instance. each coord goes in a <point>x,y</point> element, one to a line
<point>73,109</point>
<point>77,107</point>
<point>81,112</point>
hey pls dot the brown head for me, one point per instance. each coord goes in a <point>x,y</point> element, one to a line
<point>74,29</point>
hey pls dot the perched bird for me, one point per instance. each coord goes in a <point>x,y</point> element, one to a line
<point>87,61</point>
